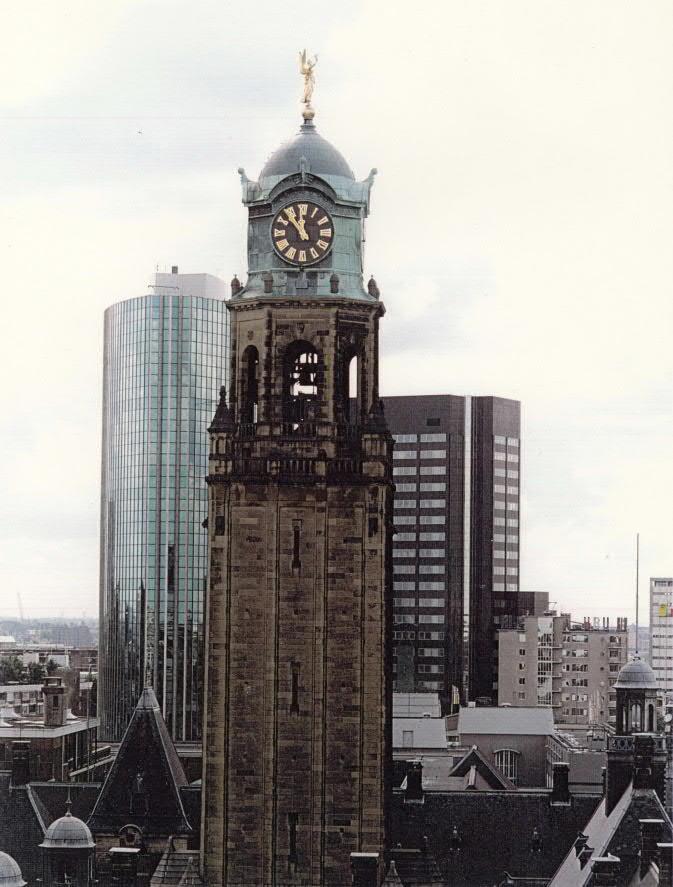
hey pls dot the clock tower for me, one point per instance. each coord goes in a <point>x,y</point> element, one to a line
<point>297,735</point>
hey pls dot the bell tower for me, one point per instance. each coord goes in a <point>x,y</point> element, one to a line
<point>298,724</point>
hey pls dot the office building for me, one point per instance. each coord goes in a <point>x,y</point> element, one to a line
<point>570,666</point>
<point>165,357</point>
<point>456,548</point>
<point>661,633</point>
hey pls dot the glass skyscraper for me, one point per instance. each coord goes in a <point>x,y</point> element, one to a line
<point>165,358</point>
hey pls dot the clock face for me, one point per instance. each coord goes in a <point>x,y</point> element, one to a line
<point>302,233</point>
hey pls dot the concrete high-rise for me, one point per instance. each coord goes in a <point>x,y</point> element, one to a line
<point>661,632</point>
<point>570,666</point>
<point>297,758</point>
<point>165,357</point>
<point>456,552</point>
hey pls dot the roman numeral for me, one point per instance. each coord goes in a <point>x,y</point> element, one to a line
<point>279,232</point>
<point>282,244</point>
<point>303,208</point>
<point>326,232</point>
<point>302,256</point>
<point>322,221</point>
<point>314,254</point>
<point>291,253</point>
<point>321,245</point>
<point>314,213</point>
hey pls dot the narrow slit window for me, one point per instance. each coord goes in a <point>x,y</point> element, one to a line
<point>294,702</point>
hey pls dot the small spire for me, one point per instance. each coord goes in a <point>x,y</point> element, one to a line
<point>68,804</point>
<point>372,288</point>
<point>235,285</point>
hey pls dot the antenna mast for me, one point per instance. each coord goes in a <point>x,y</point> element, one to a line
<point>637,574</point>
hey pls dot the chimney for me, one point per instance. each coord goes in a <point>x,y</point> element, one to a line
<point>414,790</point>
<point>365,869</point>
<point>54,702</point>
<point>605,870</point>
<point>20,762</point>
<point>560,793</point>
<point>650,833</point>
<point>665,865</point>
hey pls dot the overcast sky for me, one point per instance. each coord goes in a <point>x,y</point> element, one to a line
<point>520,234</point>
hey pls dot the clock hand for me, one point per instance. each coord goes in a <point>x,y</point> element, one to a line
<point>299,225</point>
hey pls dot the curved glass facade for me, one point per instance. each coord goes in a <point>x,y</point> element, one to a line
<point>165,358</point>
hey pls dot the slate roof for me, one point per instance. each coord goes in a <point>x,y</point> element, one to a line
<point>506,720</point>
<point>145,781</point>
<point>26,812</point>
<point>484,822</point>
<point>617,834</point>
<point>177,868</point>
<point>475,763</point>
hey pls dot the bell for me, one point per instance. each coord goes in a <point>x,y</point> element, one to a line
<point>306,376</point>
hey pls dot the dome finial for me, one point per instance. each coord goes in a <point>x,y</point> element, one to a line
<point>306,66</point>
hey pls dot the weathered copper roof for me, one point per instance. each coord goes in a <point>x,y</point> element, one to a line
<point>322,158</point>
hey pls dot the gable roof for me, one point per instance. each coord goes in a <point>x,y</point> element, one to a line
<point>507,720</point>
<point>144,782</point>
<point>618,834</point>
<point>474,763</point>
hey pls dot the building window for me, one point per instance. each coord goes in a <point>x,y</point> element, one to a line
<point>432,619</point>
<point>507,761</point>
<point>404,602</point>
<point>404,552</point>
<point>404,454</point>
<point>431,568</point>
<point>405,519</point>
<point>433,421</point>
<point>431,519</point>
<point>432,586</point>
<point>498,488</point>
<point>433,454</point>
<point>432,487</point>
<point>500,472</point>
<point>499,455</point>
<point>404,586</point>
<point>432,552</point>
<point>407,738</point>
<point>429,537</point>
<point>499,439</point>
<point>404,503</point>
<point>433,438</point>
<point>433,469</point>
<point>431,602</point>
<point>405,438</point>
<point>406,470</point>
<point>404,568</point>
<point>406,488</point>
<point>433,503</point>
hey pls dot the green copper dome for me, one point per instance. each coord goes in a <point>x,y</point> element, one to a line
<point>322,158</point>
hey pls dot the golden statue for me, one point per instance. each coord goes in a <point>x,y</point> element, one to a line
<point>306,66</point>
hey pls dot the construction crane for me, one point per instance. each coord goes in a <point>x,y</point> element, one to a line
<point>18,597</point>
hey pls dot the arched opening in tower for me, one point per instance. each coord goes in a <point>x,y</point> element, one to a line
<point>301,384</point>
<point>250,393</point>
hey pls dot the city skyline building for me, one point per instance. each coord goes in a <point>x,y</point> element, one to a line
<point>552,660</point>
<point>661,632</point>
<point>457,465</point>
<point>165,357</point>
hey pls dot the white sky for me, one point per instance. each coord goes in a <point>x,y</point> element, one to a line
<point>520,234</point>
